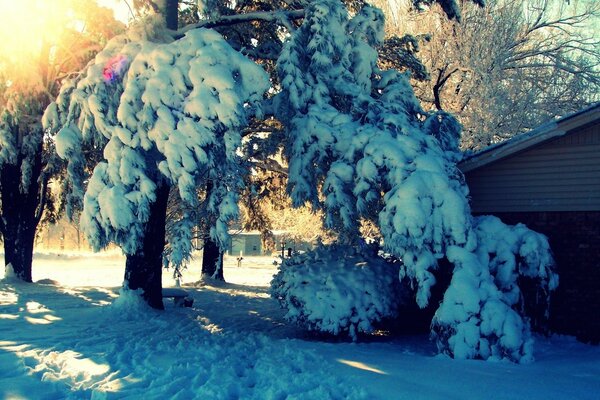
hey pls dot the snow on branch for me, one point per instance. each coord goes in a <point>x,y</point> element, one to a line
<point>160,113</point>
<point>361,146</point>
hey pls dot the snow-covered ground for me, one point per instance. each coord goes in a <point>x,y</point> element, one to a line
<point>72,340</point>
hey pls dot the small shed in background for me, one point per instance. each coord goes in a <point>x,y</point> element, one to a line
<point>252,243</point>
<point>549,179</point>
<point>246,243</point>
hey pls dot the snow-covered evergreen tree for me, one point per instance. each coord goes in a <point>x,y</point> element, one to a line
<point>23,189</point>
<point>481,315</point>
<point>359,136</point>
<point>166,113</point>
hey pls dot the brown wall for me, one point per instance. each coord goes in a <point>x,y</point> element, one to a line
<point>575,240</point>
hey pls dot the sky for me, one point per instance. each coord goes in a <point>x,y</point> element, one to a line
<point>120,7</point>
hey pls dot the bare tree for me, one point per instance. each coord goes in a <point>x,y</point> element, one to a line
<point>506,68</point>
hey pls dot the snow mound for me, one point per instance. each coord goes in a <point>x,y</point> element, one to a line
<point>9,274</point>
<point>130,303</point>
<point>335,289</point>
<point>47,281</point>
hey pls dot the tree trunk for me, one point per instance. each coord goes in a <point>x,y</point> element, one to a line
<point>20,215</point>
<point>212,260</point>
<point>143,269</point>
<point>18,247</point>
<point>212,256</point>
<point>172,14</point>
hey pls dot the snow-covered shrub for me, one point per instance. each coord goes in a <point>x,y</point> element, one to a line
<point>337,289</point>
<point>482,314</point>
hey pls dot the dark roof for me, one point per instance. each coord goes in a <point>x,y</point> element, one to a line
<point>541,134</point>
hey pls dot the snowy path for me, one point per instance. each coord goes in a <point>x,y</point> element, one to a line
<point>65,341</point>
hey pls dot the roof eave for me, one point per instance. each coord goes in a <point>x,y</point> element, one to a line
<point>539,135</point>
<point>500,152</point>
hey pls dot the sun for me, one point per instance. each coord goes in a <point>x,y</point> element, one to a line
<point>121,8</point>
<point>29,31</point>
<point>25,25</point>
<point>40,40</point>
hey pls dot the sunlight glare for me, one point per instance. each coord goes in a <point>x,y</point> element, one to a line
<point>84,294</point>
<point>8,345</point>
<point>27,24</point>
<point>73,369</point>
<point>68,366</point>
<point>120,8</point>
<point>14,396</point>
<point>37,321</point>
<point>364,367</point>
<point>30,32</point>
<point>34,307</point>
<point>8,298</point>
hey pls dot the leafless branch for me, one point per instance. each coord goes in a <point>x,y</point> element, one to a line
<point>281,17</point>
<point>270,165</point>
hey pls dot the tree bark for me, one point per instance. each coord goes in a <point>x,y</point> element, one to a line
<point>172,14</point>
<point>21,212</point>
<point>283,17</point>
<point>212,255</point>
<point>212,260</point>
<point>143,269</point>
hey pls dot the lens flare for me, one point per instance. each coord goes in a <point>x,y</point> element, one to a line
<point>114,68</point>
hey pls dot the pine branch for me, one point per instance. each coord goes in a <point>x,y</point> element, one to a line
<point>282,17</point>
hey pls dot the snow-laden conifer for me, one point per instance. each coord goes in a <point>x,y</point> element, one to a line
<point>481,314</point>
<point>358,135</point>
<point>162,112</point>
<point>23,183</point>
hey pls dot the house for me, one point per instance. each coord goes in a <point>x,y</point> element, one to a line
<point>252,243</point>
<point>549,179</point>
<point>245,244</point>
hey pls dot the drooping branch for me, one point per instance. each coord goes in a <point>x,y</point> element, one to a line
<point>282,17</point>
<point>257,53</point>
<point>441,80</point>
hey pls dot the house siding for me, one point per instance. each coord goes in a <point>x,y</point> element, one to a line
<point>245,245</point>
<point>560,175</point>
